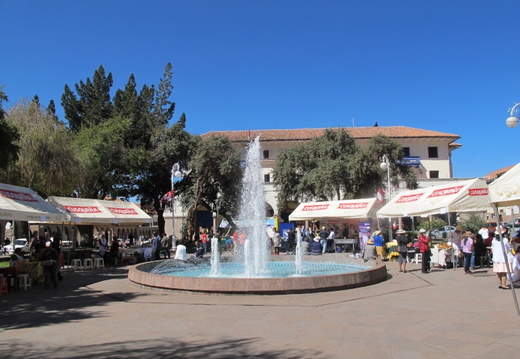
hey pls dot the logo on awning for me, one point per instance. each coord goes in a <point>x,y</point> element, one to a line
<point>409,198</point>
<point>17,196</point>
<point>315,207</point>
<point>124,211</point>
<point>446,191</point>
<point>478,191</point>
<point>359,205</point>
<point>82,209</point>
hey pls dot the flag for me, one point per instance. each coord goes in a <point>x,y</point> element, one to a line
<point>167,197</point>
<point>380,194</point>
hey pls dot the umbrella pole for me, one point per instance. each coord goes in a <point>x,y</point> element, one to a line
<point>508,267</point>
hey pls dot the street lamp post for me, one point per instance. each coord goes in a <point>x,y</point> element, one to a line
<point>385,165</point>
<point>512,120</point>
<point>176,175</point>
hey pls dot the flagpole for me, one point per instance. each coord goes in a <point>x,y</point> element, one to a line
<point>172,203</point>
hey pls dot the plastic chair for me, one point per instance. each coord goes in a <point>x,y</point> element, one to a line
<point>24,281</point>
<point>99,263</point>
<point>76,264</point>
<point>418,258</point>
<point>87,263</point>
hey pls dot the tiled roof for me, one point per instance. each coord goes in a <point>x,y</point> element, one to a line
<point>309,133</point>
<point>495,174</point>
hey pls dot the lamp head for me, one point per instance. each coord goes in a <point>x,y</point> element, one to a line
<point>383,165</point>
<point>512,121</point>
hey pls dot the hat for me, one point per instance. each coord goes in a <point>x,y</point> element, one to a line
<point>316,239</point>
<point>422,230</point>
<point>459,228</point>
<point>370,241</point>
<point>401,231</point>
<point>377,232</point>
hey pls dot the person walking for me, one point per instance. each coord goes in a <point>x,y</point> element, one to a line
<point>424,248</point>
<point>402,248</point>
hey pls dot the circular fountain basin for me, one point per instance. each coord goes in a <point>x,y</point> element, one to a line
<point>338,278</point>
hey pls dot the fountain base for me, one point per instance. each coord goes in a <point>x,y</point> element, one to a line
<point>141,276</point>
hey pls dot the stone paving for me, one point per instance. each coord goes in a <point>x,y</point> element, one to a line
<point>100,314</point>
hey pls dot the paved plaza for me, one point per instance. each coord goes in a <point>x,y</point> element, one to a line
<point>100,314</point>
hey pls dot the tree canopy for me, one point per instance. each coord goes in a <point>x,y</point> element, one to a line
<point>9,137</point>
<point>46,161</point>
<point>332,166</point>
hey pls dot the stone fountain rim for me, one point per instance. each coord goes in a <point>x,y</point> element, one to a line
<point>139,275</point>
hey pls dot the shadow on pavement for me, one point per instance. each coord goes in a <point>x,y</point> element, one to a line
<point>224,348</point>
<point>71,301</point>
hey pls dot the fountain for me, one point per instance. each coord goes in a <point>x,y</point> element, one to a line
<point>254,273</point>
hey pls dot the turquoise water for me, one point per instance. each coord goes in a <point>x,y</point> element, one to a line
<point>274,269</point>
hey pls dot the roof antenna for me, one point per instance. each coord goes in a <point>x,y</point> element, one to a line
<point>353,123</point>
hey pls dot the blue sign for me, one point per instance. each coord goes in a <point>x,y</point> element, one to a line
<point>411,161</point>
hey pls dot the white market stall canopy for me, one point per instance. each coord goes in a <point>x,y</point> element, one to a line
<point>461,196</point>
<point>93,211</point>
<point>23,204</point>
<point>356,208</point>
<point>505,190</point>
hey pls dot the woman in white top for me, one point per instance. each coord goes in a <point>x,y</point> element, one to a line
<point>499,261</point>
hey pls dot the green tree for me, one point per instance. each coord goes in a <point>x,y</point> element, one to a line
<point>329,166</point>
<point>9,137</point>
<point>102,155</point>
<point>213,182</point>
<point>382,145</point>
<point>91,104</point>
<point>46,159</point>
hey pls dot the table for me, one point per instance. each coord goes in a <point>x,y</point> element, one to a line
<point>346,242</point>
<point>439,256</point>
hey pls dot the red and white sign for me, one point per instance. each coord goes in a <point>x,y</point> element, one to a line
<point>409,198</point>
<point>446,191</point>
<point>17,196</point>
<point>123,211</point>
<point>359,205</point>
<point>478,191</point>
<point>315,207</point>
<point>83,209</point>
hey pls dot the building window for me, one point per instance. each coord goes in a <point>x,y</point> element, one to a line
<point>433,152</point>
<point>266,156</point>
<point>267,178</point>
<point>434,174</point>
<point>406,151</point>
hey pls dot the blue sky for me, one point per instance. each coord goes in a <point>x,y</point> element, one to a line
<point>445,65</point>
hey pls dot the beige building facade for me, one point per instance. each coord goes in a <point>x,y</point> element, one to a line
<point>428,152</point>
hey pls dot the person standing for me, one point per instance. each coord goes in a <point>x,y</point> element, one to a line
<point>467,250</point>
<point>103,246</point>
<point>114,250</point>
<point>424,248</point>
<point>50,265</point>
<point>166,244</point>
<point>379,242</point>
<point>156,246</point>
<point>323,239</point>
<point>402,249</point>
<point>204,240</point>
<point>291,241</point>
<point>331,237</point>
<point>277,242</point>
<point>499,261</point>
